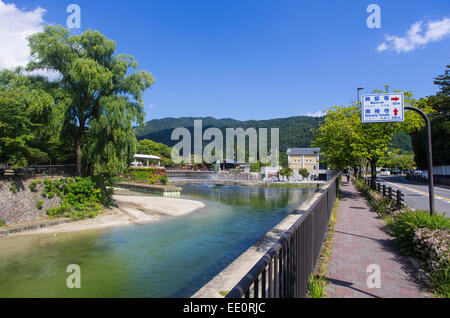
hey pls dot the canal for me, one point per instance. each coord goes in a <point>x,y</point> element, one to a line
<point>173,257</point>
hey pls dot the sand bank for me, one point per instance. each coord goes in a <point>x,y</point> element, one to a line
<point>159,205</point>
<point>131,209</point>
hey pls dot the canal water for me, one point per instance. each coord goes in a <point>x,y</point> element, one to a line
<point>173,257</point>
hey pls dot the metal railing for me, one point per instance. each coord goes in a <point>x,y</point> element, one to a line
<point>283,271</point>
<point>41,171</point>
<point>394,195</point>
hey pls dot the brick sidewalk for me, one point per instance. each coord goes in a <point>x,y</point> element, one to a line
<point>359,240</point>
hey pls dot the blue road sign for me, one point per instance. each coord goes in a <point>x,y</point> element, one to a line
<point>383,108</point>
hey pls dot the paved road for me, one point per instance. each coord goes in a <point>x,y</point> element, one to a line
<point>416,194</point>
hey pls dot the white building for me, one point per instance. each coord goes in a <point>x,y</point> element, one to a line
<point>139,160</point>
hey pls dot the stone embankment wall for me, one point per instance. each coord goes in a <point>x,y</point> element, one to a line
<point>242,176</point>
<point>21,207</point>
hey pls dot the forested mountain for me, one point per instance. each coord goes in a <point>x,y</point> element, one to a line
<point>295,132</point>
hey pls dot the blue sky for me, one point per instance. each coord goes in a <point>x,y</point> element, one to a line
<point>261,59</point>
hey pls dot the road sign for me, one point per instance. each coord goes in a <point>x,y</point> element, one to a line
<point>382,108</point>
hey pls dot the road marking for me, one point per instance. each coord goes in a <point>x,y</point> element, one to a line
<point>418,191</point>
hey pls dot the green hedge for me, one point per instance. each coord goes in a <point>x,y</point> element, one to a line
<point>80,197</point>
<point>407,223</point>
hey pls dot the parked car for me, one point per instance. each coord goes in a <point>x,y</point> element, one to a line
<point>385,173</point>
<point>418,172</point>
<point>396,172</point>
<point>28,170</point>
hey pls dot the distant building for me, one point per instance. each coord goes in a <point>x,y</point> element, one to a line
<point>309,159</point>
<point>145,161</point>
<point>303,158</point>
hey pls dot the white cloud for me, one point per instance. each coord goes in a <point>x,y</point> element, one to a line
<point>15,26</point>
<point>415,38</point>
<point>316,114</point>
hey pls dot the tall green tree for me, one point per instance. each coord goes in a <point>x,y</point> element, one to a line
<point>336,138</point>
<point>346,141</point>
<point>440,125</point>
<point>27,120</point>
<point>105,91</point>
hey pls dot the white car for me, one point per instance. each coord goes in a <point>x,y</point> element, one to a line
<point>418,172</point>
<point>385,173</point>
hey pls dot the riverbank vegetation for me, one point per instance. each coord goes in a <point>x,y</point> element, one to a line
<point>418,234</point>
<point>84,114</point>
<point>147,175</point>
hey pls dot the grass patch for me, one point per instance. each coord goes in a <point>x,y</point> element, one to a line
<point>223,293</point>
<point>318,281</point>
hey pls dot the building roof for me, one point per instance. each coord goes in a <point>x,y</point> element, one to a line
<point>138,156</point>
<point>303,151</point>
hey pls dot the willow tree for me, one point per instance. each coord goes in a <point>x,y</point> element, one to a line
<point>105,90</point>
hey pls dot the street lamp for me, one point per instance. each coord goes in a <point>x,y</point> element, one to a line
<point>358,102</point>
<point>357,92</point>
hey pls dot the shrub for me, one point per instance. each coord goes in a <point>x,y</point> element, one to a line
<point>164,179</point>
<point>433,246</point>
<point>2,223</point>
<point>405,224</point>
<point>12,187</point>
<point>33,185</point>
<point>80,197</point>
<point>39,204</point>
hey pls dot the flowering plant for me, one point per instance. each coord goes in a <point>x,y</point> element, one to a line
<point>433,246</point>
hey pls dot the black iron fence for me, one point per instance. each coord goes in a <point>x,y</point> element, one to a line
<point>41,170</point>
<point>283,272</point>
<point>394,195</point>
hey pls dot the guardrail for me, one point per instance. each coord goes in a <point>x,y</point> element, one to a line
<point>393,195</point>
<point>284,269</point>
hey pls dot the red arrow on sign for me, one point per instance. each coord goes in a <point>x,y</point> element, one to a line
<point>395,111</point>
<point>395,98</point>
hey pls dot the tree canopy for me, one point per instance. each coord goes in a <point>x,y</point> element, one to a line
<point>345,141</point>
<point>440,126</point>
<point>105,92</point>
<point>27,120</point>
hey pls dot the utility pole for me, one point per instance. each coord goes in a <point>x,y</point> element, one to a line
<point>358,103</point>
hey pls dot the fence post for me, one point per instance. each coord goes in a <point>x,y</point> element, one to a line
<point>399,198</point>
<point>390,193</point>
<point>384,190</point>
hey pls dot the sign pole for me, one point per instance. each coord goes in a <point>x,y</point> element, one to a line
<point>430,157</point>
